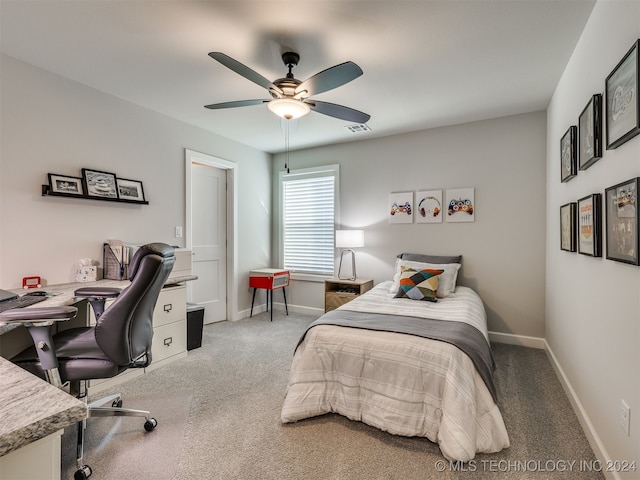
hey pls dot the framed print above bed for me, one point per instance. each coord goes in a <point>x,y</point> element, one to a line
<point>568,162</point>
<point>589,225</point>
<point>429,206</point>
<point>622,222</point>
<point>461,205</point>
<point>401,207</point>
<point>590,133</point>
<point>623,104</point>
<point>568,227</point>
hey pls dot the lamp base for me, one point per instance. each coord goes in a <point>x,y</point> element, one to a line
<point>353,265</point>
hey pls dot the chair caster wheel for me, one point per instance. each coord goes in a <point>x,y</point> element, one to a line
<point>82,473</point>
<point>150,424</point>
<point>117,403</point>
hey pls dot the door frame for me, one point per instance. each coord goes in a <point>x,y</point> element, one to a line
<point>192,157</point>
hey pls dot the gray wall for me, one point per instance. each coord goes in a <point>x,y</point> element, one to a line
<point>593,304</point>
<point>503,250</point>
<point>52,124</point>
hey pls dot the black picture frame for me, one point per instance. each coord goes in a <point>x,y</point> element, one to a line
<point>568,227</point>
<point>589,228</point>
<point>568,162</point>
<point>65,185</point>
<point>590,133</point>
<point>99,184</point>
<point>623,105</point>
<point>131,190</point>
<point>622,222</point>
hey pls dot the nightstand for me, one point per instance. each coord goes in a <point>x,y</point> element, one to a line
<point>338,292</point>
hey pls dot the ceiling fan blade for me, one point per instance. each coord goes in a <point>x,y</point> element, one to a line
<point>338,111</point>
<point>238,103</point>
<point>243,70</point>
<point>330,78</point>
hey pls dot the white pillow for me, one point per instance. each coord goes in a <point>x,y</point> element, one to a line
<point>447,280</point>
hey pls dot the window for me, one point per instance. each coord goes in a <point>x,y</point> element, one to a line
<point>308,200</point>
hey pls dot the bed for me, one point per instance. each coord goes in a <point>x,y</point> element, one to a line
<point>405,366</point>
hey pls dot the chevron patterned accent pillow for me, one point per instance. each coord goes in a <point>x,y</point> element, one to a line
<point>418,284</point>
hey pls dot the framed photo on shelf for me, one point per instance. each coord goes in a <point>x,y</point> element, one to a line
<point>623,104</point>
<point>568,227</point>
<point>590,133</point>
<point>99,184</point>
<point>429,206</point>
<point>589,225</point>
<point>622,222</point>
<point>65,184</point>
<point>130,190</point>
<point>568,163</point>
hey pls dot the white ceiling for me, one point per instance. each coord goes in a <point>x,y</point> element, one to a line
<point>426,63</point>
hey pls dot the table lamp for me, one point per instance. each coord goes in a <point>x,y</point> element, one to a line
<point>348,239</point>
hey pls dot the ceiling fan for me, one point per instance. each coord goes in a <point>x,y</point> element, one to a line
<point>290,96</point>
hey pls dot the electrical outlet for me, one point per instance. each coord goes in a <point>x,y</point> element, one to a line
<point>178,232</point>
<point>625,417</point>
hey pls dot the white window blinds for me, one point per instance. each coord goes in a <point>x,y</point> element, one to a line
<point>308,220</point>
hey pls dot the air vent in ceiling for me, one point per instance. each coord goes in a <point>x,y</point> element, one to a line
<point>359,128</point>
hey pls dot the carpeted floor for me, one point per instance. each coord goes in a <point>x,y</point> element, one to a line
<point>221,407</point>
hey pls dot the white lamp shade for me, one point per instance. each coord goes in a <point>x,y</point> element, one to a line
<point>349,238</point>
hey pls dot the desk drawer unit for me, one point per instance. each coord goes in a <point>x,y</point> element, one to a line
<point>168,340</point>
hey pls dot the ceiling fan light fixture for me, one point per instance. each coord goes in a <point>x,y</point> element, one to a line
<point>288,108</point>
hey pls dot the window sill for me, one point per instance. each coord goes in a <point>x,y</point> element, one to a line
<point>308,277</point>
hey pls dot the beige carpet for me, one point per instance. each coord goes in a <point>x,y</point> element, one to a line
<point>120,448</point>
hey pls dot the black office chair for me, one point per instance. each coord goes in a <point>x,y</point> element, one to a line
<point>120,339</point>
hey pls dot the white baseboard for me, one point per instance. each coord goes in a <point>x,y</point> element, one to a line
<point>588,428</point>
<point>520,340</point>
<point>280,309</point>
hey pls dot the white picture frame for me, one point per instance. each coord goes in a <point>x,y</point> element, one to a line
<point>428,206</point>
<point>401,207</point>
<point>460,205</point>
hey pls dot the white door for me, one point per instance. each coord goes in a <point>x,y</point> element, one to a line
<point>209,240</point>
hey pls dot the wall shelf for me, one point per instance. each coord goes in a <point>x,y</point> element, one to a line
<point>46,192</point>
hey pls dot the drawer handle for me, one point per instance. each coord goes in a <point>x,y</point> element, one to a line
<point>168,341</point>
<point>168,307</point>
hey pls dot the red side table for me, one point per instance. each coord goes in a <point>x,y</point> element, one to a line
<point>269,279</point>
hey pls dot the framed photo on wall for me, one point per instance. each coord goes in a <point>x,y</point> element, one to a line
<point>590,133</point>
<point>589,225</point>
<point>568,163</point>
<point>622,222</point>
<point>623,104</point>
<point>568,227</point>
<point>99,184</point>
<point>429,206</point>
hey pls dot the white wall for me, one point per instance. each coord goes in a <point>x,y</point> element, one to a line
<point>52,124</point>
<point>593,304</point>
<point>503,250</point>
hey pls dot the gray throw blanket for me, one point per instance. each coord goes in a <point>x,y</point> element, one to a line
<point>463,336</point>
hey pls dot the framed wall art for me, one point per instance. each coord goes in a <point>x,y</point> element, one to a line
<point>590,133</point>
<point>65,184</point>
<point>130,189</point>
<point>589,225</point>
<point>429,206</point>
<point>568,227</point>
<point>622,222</point>
<point>623,104</point>
<point>401,207</point>
<point>461,205</point>
<point>99,184</point>
<point>568,163</point>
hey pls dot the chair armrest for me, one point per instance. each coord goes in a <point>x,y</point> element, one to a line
<point>37,316</point>
<point>98,292</point>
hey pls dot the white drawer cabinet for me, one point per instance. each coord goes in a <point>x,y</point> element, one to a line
<point>169,326</point>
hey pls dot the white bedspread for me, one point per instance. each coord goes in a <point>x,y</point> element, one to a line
<point>403,384</point>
